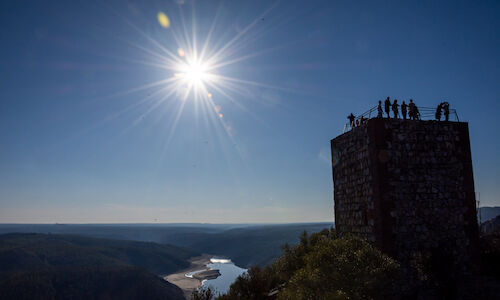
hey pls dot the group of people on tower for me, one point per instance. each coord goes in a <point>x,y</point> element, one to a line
<point>411,109</point>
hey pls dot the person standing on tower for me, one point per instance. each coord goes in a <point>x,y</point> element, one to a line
<point>379,109</point>
<point>404,109</point>
<point>395,108</point>
<point>446,109</point>
<point>387,107</point>
<point>438,111</point>
<point>417,113</point>
<point>413,110</point>
<point>351,120</point>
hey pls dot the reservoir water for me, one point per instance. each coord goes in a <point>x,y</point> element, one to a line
<point>229,272</point>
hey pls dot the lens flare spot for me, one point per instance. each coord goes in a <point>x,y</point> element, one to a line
<point>220,115</point>
<point>163,20</point>
<point>217,108</point>
<point>181,52</point>
<point>209,95</point>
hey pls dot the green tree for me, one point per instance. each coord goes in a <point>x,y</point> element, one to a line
<point>322,266</point>
<point>255,284</point>
<point>203,294</point>
<point>343,268</point>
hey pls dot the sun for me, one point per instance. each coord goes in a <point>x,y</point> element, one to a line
<point>195,72</point>
<point>193,75</point>
<point>203,71</point>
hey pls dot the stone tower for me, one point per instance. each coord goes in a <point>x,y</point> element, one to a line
<point>407,187</point>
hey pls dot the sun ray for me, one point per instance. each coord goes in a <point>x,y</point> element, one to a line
<point>193,33</point>
<point>254,83</point>
<point>153,107</point>
<point>242,33</point>
<point>162,58</point>
<point>210,32</point>
<point>136,104</point>
<point>200,73</point>
<point>170,136</point>
<point>184,30</point>
<point>143,34</point>
<point>240,105</point>
<point>141,117</point>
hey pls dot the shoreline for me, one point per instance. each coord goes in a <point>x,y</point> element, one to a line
<point>190,284</point>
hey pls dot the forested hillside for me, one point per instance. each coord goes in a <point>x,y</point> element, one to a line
<point>245,244</point>
<point>254,245</point>
<point>62,267</point>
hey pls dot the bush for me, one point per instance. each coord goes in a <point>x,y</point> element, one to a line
<point>322,266</point>
<point>203,294</point>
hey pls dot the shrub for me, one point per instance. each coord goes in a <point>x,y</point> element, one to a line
<point>322,266</point>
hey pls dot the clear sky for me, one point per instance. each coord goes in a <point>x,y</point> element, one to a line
<point>107,116</point>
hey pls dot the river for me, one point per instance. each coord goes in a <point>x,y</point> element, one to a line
<point>229,272</point>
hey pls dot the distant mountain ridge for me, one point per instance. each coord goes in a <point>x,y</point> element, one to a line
<point>42,250</point>
<point>245,244</point>
<point>492,226</point>
<point>254,245</point>
<point>487,213</point>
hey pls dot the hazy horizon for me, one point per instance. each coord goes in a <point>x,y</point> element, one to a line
<point>284,222</point>
<point>222,111</point>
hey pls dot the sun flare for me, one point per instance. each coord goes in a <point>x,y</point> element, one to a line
<point>202,70</point>
<point>192,75</point>
<point>195,72</point>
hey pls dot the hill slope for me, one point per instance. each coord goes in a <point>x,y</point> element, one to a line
<point>488,213</point>
<point>61,267</point>
<point>121,282</point>
<point>254,245</point>
<point>492,226</point>
<point>245,244</point>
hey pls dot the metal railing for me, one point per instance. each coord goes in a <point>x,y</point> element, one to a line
<point>423,113</point>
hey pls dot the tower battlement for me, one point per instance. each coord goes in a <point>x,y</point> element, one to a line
<point>407,187</point>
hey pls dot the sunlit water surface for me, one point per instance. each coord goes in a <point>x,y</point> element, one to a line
<point>229,272</point>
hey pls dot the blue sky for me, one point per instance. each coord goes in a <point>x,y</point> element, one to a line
<point>79,144</point>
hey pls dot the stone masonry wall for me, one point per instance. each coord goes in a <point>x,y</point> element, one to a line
<point>407,187</point>
<point>353,184</point>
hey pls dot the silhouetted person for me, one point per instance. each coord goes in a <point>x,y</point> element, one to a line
<point>357,123</point>
<point>412,110</point>
<point>362,120</point>
<point>417,113</point>
<point>387,107</point>
<point>446,110</point>
<point>351,120</point>
<point>438,111</point>
<point>379,109</point>
<point>404,108</point>
<point>395,110</point>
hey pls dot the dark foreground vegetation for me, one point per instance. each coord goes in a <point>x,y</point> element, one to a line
<point>321,266</point>
<point>119,282</point>
<point>39,266</point>
<point>324,266</point>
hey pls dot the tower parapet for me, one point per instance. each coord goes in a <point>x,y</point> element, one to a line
<point>407,187</point>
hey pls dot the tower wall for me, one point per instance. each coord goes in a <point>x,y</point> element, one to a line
<point>407,187</point>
